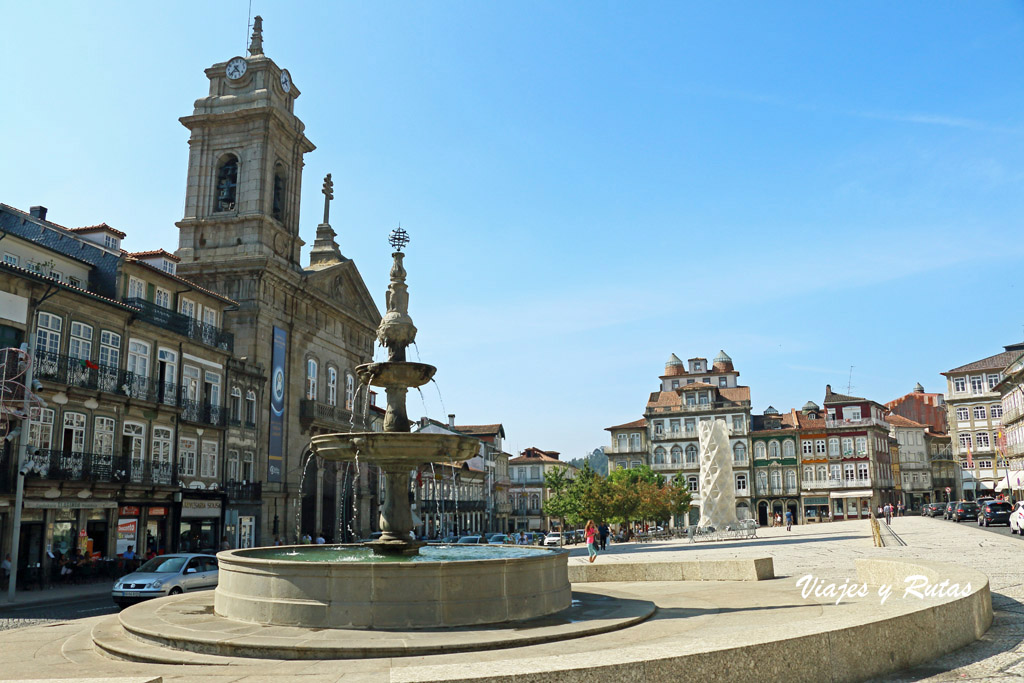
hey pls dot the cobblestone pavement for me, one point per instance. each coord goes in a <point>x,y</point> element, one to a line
<point>54,613</point>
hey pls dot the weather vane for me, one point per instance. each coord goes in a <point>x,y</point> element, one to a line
<point>398,239</point>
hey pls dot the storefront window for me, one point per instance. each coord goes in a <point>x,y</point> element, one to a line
<point>198,536</point>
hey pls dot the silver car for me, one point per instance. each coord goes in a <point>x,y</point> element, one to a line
<point>166,575</point>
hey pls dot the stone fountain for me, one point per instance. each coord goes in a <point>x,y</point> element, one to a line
<point>401,584</point>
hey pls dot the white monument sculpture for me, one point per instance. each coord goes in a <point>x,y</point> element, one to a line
<point>717,489</point>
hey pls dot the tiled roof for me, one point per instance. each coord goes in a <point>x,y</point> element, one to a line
<point>696,385</point>
<point>182,280</point>
<point>155,252</point>
<point>663,398</point>
<point>736,394</point>
<point>528,459</point>
<point>78,290</point>
<point>674,371</point>
<point>635,424</point>
<point>996,362</point>
<point>900,421</point>
<point>102,227</point>
<point>809,423</point>
<point>832,397</point>
<point>483,430</point>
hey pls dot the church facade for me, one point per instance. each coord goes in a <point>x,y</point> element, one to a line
<point>308,325</point>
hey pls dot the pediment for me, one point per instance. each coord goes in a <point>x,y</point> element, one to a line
<point>341,285</point>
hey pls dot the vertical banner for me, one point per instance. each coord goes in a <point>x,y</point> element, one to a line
<point>277,379</point>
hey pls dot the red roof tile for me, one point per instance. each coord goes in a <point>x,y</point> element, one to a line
<point>155,252</point>
<point>900,421</point>
<point>484,430</point>
<point>996,362</point>
<point>635,424</point>
<point>736,394</point>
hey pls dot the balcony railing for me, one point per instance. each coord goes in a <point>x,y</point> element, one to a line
<point>862,422</point>
<point>777,490</point>
<point>183,324</point>
<point>666,466</point>
<point>1010,414</point>
<point>77,372</point>
<point>813,484</point>
<point>62,465</point>
<point>202,413</point>
<point>244,491</point>
<point>700,407</point>
<point>430,506</point>
<point>627,450</point>
<point>330,414</point>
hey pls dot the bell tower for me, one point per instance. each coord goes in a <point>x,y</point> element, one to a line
<point>244,167</point>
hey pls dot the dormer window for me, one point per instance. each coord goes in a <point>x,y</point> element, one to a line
<point>167,266</point>
<point>111,242</point>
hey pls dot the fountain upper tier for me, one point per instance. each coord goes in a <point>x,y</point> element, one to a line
<point>392,450</point>
<point>395,374</point>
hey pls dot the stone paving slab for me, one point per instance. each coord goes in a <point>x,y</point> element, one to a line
<point>827,550</point>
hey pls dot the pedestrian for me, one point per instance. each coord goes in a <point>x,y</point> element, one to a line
<point>604,531</point>
<point>879,511</point>
<point>224,544</point>
<point>320,540</point>
<point>5,569</point>
<point>789,520</point>
<point>888,513</point>
<point>277,540</point>
<point>590,532</point>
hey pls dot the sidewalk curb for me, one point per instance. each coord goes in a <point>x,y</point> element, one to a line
<point>51,600</point>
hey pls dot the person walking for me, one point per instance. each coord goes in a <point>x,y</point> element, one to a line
<point>888,513</point>
<point>590,532</point>
<point>789,520</point>
<point>604,531</point>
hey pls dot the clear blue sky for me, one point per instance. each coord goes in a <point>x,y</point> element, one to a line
<point>590,186</point>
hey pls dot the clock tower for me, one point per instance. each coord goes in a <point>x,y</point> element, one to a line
<point>244,166</point>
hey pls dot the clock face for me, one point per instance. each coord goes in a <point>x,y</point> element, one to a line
<point>236,68</point>
<point>286,80</point>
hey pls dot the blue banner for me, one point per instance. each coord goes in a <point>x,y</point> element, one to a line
<point>275,465</point>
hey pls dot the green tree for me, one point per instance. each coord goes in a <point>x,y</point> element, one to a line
<point>562,499</point>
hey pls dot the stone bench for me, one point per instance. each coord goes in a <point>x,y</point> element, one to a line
<point>732,569</point>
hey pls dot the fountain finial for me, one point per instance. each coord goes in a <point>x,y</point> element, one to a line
<point>396,330</point>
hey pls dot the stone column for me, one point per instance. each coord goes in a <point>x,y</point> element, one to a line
<point>318,501</point>
<point>339,488</point>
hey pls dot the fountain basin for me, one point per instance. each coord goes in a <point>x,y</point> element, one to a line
<point>401,374</point>
<point>256,585</point>
<point>391,450</point>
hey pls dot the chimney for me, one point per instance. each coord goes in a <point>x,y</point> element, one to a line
<point>38,212</point>
<point>451,420</point>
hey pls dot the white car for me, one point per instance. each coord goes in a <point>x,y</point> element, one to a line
<point>1017,518</point>
<point>552,538</point>
<point>166,575</point>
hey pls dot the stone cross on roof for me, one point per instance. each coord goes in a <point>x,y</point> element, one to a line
<point>256,44</point>
<point>328,191</point>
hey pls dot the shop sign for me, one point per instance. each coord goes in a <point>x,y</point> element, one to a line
<point>129,510</point>
<point>157,512</point>
<point>192,508</point>
<point>71,504</point>
<point>127,532</point>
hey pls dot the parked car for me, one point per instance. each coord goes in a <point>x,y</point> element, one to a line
<point>551,539</point>
<point>947,512</point>
<point>491,534</point>
<point>498,539</point>
<point>166,575</point>
<point>994,512</point>
<point>965,509</point>
<point>471,539</point>
<point>982,501</point>
<point>1017,518</point>
<point>450,539</point>
<point>932,509</point>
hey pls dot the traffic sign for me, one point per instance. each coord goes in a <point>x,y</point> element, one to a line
<point>948,490</point>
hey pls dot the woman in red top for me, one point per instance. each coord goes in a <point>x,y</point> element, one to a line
<point>590,533</point>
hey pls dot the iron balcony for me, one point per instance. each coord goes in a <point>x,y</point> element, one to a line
<point>183,324</point>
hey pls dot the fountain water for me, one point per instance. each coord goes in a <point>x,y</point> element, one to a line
<point>395,586</point>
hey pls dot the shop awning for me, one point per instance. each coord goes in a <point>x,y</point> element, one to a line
<point>850,494</point>
<point>1013,480</point>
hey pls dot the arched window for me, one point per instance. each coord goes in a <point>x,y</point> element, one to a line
<point>277,209</point>
<point>332,386</point>
<point>808,474</point>
<point>788,450</point>
<point>236,405</point>
<point>776,479</point>
<point>762,481</point>
<point>790,479</point>
<point>350,388</point>
<point>739,452</point>
<point>659,456</point>
<point>677,455</point>
<point>311,378</point>
<point>759,450</point>
<point>741,484</point>
<point>691,483</point>
<point>822,473</point>
<point>250,408</point>
<point>227,183</point>
<point>773,449</point>
<point>691,455</point>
